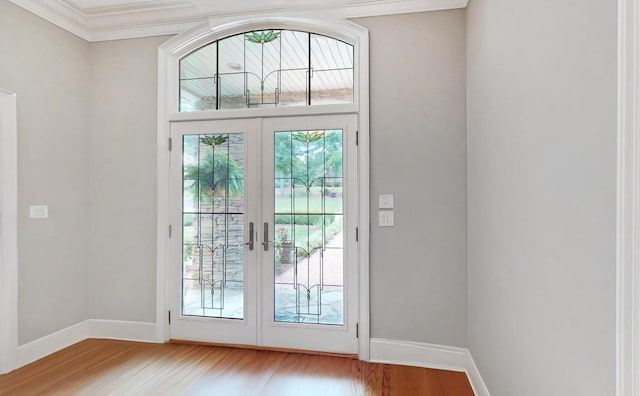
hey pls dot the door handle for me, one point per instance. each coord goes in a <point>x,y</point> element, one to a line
<point>250,243</point>
<point>265,244</point>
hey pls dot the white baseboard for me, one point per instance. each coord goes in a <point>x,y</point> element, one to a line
<point>381,350</point>
<point>92,328</point>
<point>122,330</point>
<point>51,343</point>
<point>430,356</point>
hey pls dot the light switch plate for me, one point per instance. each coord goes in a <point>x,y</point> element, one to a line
<point>385,218</point>
<point>38,211</point>
<point>385,201</point>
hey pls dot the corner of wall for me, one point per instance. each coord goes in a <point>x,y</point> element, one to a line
<point>433,356</point>
<point>102,329</point>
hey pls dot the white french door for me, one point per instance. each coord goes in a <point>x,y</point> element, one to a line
<point>264,213</point>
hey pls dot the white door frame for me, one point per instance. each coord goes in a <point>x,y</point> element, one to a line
<point>628,202</point>
<point>258,326</point>
<point>168,56</point>
<point>8,232</point>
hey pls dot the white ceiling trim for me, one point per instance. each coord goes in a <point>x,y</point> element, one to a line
<point>128,7</point>
<point>348,9</point>
<point>56,13</point>
<point>156,18</point>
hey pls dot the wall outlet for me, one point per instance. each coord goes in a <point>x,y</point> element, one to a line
<point>38,211</point>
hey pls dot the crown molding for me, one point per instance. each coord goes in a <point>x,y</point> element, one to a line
<point>58,13</point>
<point>368,8</point>
<point>117,22</point>
<point>167,17</point>
<point>337,9</point>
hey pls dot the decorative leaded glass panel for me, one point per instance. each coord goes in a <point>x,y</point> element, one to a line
<point>308,216</point>
<point>213,224</point>
<point>267,68</point>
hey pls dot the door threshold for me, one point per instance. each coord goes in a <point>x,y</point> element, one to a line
<point>265,348</point>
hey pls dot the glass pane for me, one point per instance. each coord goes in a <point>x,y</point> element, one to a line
<point>332,64</point>
<point>295,69</point>
<point>293,88</point>
<point>197,94</point>
<point>262,52</point>
<point>332,86</point>
<point>197,82</point>
<point>213,225</point>
<point>308,254</point>
<point>200,63</point>
<point>231,73</point>
<point>232,91</point>
<point>262,93</point>
<point>295,50</point>
<point>328,53</point>
<point>333,179</point>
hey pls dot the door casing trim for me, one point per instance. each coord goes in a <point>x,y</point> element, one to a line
<point>168,56</point>
<point>628,206</point>
<point>8,232</point>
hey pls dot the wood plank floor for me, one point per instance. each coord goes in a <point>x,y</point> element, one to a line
<point>107,367</point>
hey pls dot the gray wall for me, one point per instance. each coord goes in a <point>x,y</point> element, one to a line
<point>418,267</point>
<point>87,148</point>
<point>48,68</point>
<point>122,184</point>
<point>541,191</point>
<point>542,195</point>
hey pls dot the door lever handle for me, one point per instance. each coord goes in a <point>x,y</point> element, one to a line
<point>250,243</point>
<point>265,244</point>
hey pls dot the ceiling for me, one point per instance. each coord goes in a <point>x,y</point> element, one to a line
<point>100,20</point>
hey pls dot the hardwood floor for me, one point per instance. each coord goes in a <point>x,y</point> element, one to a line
<point>107,367</point>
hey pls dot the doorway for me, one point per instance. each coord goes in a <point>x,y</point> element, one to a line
<point>264,250</point>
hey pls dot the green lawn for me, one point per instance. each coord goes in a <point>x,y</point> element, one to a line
<point>331,205</point>
<point>308,238</point>
<point>308,229</point>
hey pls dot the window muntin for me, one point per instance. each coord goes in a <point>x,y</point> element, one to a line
<point>267,68</point>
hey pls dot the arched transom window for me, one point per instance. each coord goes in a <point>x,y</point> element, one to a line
<point>267,68</point>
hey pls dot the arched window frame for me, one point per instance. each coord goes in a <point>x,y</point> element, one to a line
<point>291,68</point>
<point>171,52</point>
<point>169,55</point>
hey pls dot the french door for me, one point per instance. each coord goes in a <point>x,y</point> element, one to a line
<point>264,213</point>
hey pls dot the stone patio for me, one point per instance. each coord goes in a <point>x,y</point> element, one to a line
<point>305,298</point>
